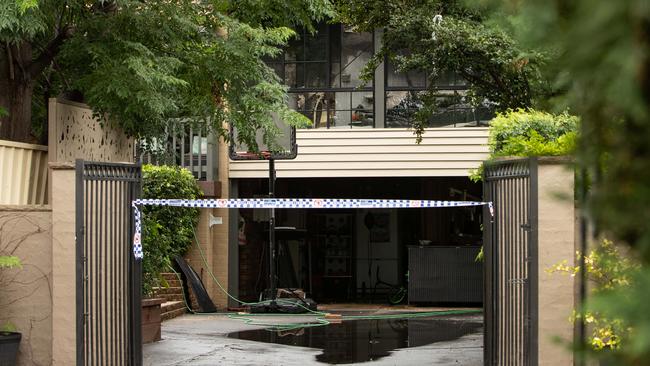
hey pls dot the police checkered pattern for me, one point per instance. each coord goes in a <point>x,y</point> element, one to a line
<point>288,203</point>
<point>137,236</point>
<point>304,203</point>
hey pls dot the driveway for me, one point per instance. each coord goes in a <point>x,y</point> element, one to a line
<point>220,340</point>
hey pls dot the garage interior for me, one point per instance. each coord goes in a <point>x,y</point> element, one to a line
<point>361,255</point>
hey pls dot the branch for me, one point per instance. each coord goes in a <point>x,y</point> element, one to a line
<point>50,51</point>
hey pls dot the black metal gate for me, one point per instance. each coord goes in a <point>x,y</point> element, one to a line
<point>510,248</point>
<point>108,276</point>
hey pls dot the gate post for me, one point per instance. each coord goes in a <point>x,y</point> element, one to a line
<point>64,334</point>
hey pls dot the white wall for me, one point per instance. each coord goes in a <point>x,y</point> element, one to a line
<point>377,152</point>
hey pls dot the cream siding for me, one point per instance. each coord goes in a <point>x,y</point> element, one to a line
<point>23,173</point>
<point>443,152</point>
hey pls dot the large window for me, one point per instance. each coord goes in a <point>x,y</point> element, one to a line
<point>405,94</point>
<point>322,72</point>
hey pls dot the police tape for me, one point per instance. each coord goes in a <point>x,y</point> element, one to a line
<point>289,203</point>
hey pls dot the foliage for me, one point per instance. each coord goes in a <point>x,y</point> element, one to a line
<point>9,261</point>
<point>608,270</point>
<point>602,72</point>
<point>167,231</point>
<point>530,133</point>
<point>145,62</point>
<point>438,36</point>
<point>515,124</point>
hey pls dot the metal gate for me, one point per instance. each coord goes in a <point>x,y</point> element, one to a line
<point>510,247</point>
<point>108,276</point>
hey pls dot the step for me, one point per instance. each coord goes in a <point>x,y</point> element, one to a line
<point>173,283</point>
<point>171,297</point>
<point>167,290</point>
<point>171,305</point>
<point>168,276</point>
<point>173,314</point>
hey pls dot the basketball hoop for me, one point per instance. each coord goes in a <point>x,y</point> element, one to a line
<point>284,148</point>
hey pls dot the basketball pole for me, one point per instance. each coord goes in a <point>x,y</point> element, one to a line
<point>272,269</point>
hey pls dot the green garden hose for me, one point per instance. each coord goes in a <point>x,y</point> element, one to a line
<point>320,320</point>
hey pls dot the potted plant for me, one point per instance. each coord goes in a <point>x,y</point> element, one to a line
<point>9,338</point>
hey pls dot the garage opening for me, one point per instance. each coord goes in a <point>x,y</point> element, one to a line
<point>416,256</point>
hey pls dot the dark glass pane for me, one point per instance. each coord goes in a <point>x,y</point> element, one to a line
<point>356,50</point>
<point>295,50</point>
<point>411,79</point>
<point>401,107</point>
<point>316,76</point>
<point>316,45</point>
<point>449,78</point>
<point>335,75</point>
<point>294,75</point>
<point>335,43</point>
<point>316,106</point>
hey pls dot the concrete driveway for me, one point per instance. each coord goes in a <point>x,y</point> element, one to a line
<point>219,340</point>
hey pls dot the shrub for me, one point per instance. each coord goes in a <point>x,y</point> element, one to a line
<point>167,231</point>
<point>530,133</point>
<point>521,123</point>
<point>607,269</point>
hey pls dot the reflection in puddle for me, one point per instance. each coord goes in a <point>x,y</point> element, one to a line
<point>367,340</point>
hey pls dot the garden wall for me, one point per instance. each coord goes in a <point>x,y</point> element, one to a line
<point>26,293</point>
<point>556,243</point>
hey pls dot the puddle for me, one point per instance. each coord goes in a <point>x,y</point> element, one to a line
<point>367,340</point>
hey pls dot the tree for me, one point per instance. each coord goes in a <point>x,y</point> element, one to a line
<point>143,62</point>
<point>601,68</point>
<point>437,36</point>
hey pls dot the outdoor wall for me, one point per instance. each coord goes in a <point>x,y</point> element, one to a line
<point>377,152</point>
<point>23,173</point>
<point>63,265</point>
<point>26,293</point>
<point>75,134</point>
<point>214,240</point>
<point>556,234</point>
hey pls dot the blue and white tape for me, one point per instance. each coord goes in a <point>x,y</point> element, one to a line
<point>305,203</point>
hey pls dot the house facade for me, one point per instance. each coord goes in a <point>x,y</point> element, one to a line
<point>359,145</point>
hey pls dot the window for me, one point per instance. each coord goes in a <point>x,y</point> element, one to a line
<point>405,94</point>
<point>322,73</point>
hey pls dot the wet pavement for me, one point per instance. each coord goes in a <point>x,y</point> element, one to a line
<point>219,340</point>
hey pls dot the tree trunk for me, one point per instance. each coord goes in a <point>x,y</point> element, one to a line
<point>16,91</point>
<point>16,99</point>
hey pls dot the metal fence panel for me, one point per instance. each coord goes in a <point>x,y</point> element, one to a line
<point>108,276</point>
<point>510,248</point>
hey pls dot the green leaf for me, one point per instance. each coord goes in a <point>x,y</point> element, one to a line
<point>9,261</point>
<point>25,5</point>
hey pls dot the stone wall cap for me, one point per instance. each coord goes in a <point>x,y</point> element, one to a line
<point>562,159</point>
<point>152,302</point>
<point>61,165</point>
<point>25,208</point>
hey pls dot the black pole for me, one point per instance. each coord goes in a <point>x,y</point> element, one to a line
<point>272,269</point>
<point>583,275</point>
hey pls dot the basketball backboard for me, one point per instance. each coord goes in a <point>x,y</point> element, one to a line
<point>283,148</point>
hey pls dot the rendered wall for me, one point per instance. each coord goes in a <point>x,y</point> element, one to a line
<point>63,265</point>
<point>214,240</point>
<point>556,235</point>
<point>26,293</point>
